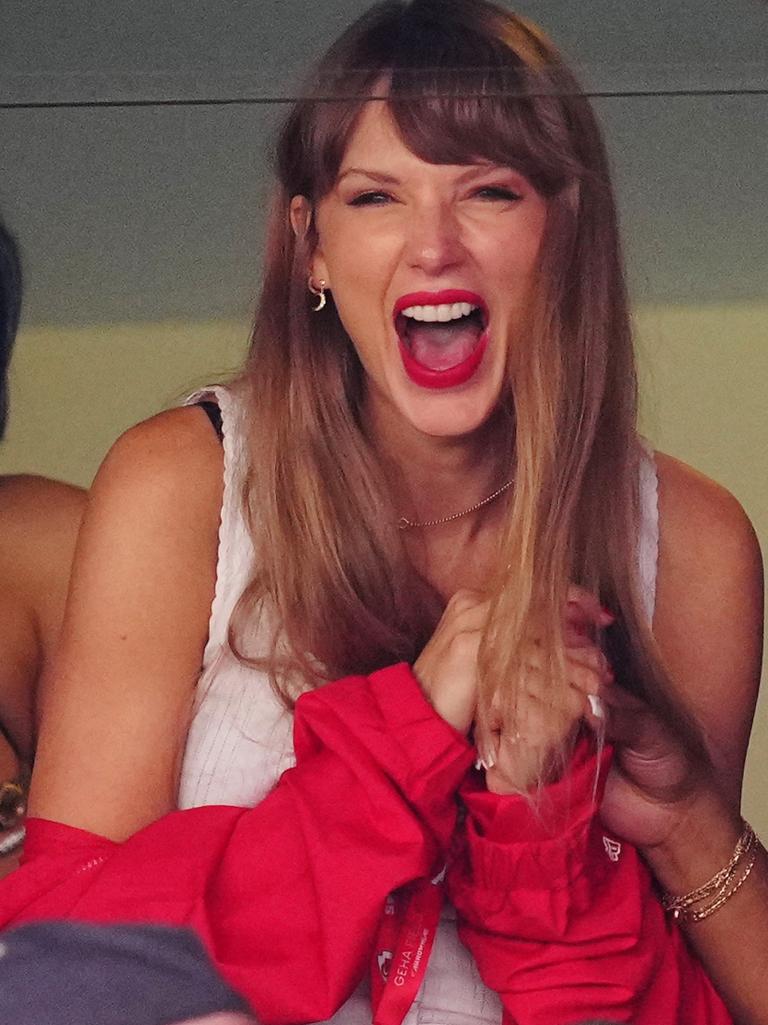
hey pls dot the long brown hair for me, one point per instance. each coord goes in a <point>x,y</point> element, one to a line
<point>464,81</point>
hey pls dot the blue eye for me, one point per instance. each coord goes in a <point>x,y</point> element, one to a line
<point>499,192</point>
<point>370,199</point>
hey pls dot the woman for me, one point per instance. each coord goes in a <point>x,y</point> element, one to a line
<point>432,453</point>
<point>39,519</point>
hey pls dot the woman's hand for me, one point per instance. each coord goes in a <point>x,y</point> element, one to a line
<point>653,779</point>
<point>529,751</point>
<point>447,667</point>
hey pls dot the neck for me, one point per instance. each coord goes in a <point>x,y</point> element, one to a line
<point>434,477</point>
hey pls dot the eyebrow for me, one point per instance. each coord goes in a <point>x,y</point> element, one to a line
<point>475,171</point>
<point>378,176</point>
<point>478,170</point>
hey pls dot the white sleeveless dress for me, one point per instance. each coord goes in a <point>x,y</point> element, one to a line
<point>240,737</point>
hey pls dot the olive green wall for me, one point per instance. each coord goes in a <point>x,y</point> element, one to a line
<point>138,196</point>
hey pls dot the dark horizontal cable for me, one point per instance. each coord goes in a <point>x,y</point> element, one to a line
<point>242,101</point>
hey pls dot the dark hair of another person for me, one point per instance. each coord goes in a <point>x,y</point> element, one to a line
<point>10,311</point>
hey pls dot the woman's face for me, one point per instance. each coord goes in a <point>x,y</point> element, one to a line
<point>430,267</point>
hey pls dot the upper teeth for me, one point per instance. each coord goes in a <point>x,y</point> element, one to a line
<point>443,312</point>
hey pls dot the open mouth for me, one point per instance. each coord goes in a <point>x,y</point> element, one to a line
<point>443,336</point>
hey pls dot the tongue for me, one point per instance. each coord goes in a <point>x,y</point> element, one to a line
<point>442,346</point>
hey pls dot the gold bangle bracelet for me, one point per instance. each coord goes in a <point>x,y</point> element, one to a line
<point>702,902</point>
<point>702,913</point>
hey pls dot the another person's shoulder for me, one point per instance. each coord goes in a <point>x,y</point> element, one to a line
<point>704,529</point>
<point>39,521</point>
<point>30,500</point>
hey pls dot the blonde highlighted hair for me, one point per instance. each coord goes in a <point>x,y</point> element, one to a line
<point>465,81</point>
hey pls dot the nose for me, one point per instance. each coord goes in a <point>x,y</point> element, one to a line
<point>433,241</point>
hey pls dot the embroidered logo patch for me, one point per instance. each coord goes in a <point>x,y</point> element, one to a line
<point>612,848</point>
<point>384,959</point>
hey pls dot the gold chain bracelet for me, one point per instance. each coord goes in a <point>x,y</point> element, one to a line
<point>721,887</point>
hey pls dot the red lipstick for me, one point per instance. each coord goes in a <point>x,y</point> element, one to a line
<point>451,377</point>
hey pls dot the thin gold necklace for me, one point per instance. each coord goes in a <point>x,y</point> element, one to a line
<point>405,524</point>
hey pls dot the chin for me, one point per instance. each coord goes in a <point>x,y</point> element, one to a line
<point>450,415</point>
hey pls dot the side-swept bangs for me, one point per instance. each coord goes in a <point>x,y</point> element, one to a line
<point>459,91</point>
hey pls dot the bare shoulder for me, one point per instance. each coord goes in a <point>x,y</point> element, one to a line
<point>709,607</point>
<point>158,487</point>
<point>153,513</point>
<point>705,531</point>
<point>134,630</point>
<point>166,468</point>
<point>169,446</point>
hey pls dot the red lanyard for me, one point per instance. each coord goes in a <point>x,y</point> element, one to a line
<point>403,945</point>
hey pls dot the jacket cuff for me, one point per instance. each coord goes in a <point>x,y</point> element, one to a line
<point>418,729</point>
<point>536,840</point>
<point>384,723</point>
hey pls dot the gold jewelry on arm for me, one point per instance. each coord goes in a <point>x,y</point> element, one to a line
<point>702,902</point>
<point>13,801</point>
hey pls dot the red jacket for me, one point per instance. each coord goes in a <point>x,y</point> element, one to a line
<point>562,918</point>
<point>287,896</point>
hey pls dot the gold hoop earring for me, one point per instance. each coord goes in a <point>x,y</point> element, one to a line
<point>318,290</point>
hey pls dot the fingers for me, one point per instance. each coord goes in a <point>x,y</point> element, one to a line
<point>528,749</point>
<point>587,669</point>
<point>587,677</point>
<point>447,667</point>
<point>447,671</point>
<point>544,720</point>
<point>583,615</point>
<point>589,605</point>
<point>591,677</point>
<point>521,747</point>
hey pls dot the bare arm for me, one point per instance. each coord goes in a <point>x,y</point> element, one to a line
<point>118,697</point>
<point>708,623</point>
<point>709,611</point>
<point>39,520</point>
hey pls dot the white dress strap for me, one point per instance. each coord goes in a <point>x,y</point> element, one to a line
<point>235,558</point>
<point>648,538</point>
